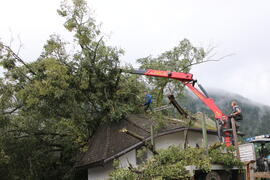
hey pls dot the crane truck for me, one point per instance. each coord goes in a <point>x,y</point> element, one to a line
<point>255,153</point>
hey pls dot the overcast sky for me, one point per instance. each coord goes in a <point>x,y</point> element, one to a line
<point>145,27</point>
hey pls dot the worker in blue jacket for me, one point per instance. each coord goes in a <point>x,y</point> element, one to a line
<point>148,101</point>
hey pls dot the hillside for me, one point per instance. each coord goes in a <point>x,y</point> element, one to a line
<point>256,116</point>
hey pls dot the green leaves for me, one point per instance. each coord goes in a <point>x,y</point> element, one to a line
<point>170,163</point>
<point>4,159</point>
<point>8,63</point>
<point>70,24</point>
<point>49,108</point>
<point>178,59</point>
<point>123,174</point>
<point>225,156</point>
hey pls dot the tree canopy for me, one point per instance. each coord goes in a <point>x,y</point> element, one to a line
<point>50,107</point>
<point>179,59</point>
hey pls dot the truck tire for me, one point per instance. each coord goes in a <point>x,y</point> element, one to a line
<point>213,175</point>
<point>219,175</point>
<point>225,175</point>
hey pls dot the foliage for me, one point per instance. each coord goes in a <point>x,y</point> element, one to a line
<point>159,120</point>
<point>49,108</point>
<point>226,158</point>
<point>141,152</point>
<point>179,59</point>
<point>4,159</point>
<point>170,163</point>
<point>123,174</point>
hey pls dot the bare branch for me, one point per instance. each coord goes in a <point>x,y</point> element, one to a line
<point>221,58</point>
<point>18,58</point>
<point>132,169</point>
<point>210,49</point>
<point>192,64</point>
<point>208,60</point>
<point>11,37</point>
<point>96,48</point>
<point>141,138</point>
<point>11,111</point>
<point>20,46</point>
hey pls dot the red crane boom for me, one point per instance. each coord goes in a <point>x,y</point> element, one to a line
<point>187,80</point>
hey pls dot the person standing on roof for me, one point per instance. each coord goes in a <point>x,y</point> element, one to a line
<point>236,113</point>
<point>148,101</point>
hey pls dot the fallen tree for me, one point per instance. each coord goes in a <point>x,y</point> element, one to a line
<point>170,163</point>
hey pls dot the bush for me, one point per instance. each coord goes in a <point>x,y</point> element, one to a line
<point>170,164</point>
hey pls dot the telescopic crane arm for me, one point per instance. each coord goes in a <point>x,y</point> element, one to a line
<point>187,80</point>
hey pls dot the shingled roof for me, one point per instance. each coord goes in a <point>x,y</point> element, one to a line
<point>108,143</point>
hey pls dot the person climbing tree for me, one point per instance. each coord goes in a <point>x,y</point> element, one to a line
<point>148,101</point>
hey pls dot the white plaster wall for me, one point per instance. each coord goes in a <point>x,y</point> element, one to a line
<point>194,138</point>
<point>129,157</point>
<point>100,172</point>
<point>165,141</point>
<point>212,139</point>
<point>197,138</point>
